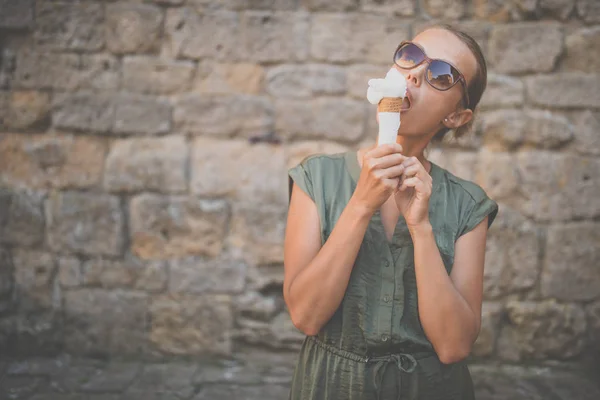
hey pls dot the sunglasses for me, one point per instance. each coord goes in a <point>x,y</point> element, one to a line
<point>440,74</point>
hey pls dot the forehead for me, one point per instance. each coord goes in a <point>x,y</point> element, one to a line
<point>442,44</point>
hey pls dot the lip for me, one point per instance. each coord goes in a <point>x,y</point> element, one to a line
<point>410,101</point>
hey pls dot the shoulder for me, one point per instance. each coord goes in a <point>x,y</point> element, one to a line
<point>463,189</point>
<point>323,165</point>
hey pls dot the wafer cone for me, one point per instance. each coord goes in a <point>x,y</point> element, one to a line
<point>390,104</point>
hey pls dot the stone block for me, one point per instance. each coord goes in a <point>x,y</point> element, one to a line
<point>447,9</point>
<point>558,186</point>
<point>69,26</point>
<point>195,275</point>
<point>325,5</point>
<point>105,322</point>
<point>298,151</point>
<point>502,91</point>
<point>345,38</point>
<point>586,132</point>
<point>516,271</point>
<point>65,71</point>
<point>21,218</point>
<point>84,111</point>
<point>164,227</point>
<point>191,325</point>
<point>142,115</point>
<point>578,56</point>
<point>253,174</point>
<point>566,90</point>
<point>34,273</point>
<point>187,31</point>
<point>279,333</point>
<point>274,37</point>
<point>588,10</point>
<point>559,9</point>
<point>525,47</point>
<point>7,286</point>
<point>571,271</point>
<point>214,115</point>
<point>144,74</point>
<point>492,10</point>
<point>257,234</point>
<point>319,119</point>
<point>133,28</point>
<point>87,223</point>
<point>70,273</point>
<point>538,331</point>
<point>157,164</point>
<point>401,8</point>
<point>305,80</point>
<point>16,14</point>
<point>51,160</point>
<point>497,174</point>
<point>491,316</point>
<point>28,110</point>
<point>128,273</point>
<point>219,78</point>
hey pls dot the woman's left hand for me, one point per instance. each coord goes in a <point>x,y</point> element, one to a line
<point>412,196</point>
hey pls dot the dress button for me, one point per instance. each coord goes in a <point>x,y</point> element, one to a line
<point>386,298</point>
<point>386,263</point>
<point>384,338</point>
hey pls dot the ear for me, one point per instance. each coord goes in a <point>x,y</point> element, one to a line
<point>457,118</point>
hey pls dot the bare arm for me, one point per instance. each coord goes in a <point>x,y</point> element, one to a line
<point>315,277</point>
<point>450,306</point>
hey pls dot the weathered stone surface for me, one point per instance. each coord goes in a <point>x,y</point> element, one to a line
<point>253,174</point>
<point>461,163</point>
<point>515,271</point>
<point>566,90</point>
<point>508,129</point>
<point>164,379</point>
<point>593,318</point>
<point>343,38</point>
<point>279,333</point>
<point>16,14</point>
<point>34,279</point>
<point>21,218</point>
<point>69,272</point>
<point>229,78</point>
<point>115,377</point>
<point>51,160</point>
<point>560,9</point>
<point>28,110</point>
<point>305,80</point>
<point>7,285</point>
<point>325,5</point>
<point>588,10</point>
<point>497,174</point>
<point>477,29</point>
<point>108,273</point>
<point>142,115</point>
<point>578,56</point>
<point>88,223</point>
<point>298,151</point>
<point>223,115</point>
<point>358,77</point>
<point>319,119</point>
<point>270,37</point>
<point>196,275</point>
<point>84,111</point>
<point>542,330</point>
<point>492,10</point>
<point>18,387</point>
<point>187,31</point>
<point>147,164</point>
<point>449,9</point>
<point>164,227</point>
<point>69,26</point>
<point>587,127</point>
<point>133,28</point>
<point>525,47</point>
<point>571,271</point>
<point>502,91</point>
<point>103,322</point>
<point>558,186</point>
<point>403,8</point>
<point>491,315</point>
<point>257,234</point>
<point>228,391</point>
<point>256,306</point>
<point>44,70</point>
<point>145,74</point>
<point>191,325</point>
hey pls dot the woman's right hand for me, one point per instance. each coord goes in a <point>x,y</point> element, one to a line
<point>379,176</point>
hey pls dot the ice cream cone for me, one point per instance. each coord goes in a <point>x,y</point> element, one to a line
<point>390,104</point>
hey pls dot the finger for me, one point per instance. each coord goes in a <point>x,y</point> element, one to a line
<point>384,150</point>
<point>413,182</point>
<point>394,171</point>
<point>412,170</point>
<point>386,161</point>
<point>411,161</point>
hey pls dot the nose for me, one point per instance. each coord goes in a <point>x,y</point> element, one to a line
<point>415,75</point>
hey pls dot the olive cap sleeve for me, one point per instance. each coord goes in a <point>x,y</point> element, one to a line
<point>476,207</point>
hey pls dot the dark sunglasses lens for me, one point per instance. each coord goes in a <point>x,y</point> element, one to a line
<point>408,56</point>
<point>441,75</point>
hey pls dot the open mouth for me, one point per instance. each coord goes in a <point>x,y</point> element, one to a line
<point>405,104</point>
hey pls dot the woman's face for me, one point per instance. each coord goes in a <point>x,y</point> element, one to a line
<point>430,106</point>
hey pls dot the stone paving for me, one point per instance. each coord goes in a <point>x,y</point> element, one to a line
<point>255,377</point>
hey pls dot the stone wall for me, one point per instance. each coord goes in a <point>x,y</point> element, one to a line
<point>141,218</point>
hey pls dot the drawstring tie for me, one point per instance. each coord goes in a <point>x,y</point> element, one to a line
<point>406,365</point>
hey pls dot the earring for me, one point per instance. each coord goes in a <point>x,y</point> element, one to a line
<point>446,119</point>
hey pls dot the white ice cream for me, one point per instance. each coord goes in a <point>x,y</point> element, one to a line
<point>393,85</point>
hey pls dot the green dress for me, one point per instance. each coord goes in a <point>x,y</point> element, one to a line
<point>374,347</point>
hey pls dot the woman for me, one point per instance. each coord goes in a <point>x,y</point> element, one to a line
<point>367,231</point>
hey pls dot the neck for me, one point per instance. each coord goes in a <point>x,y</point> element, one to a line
<point>413,147</point>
